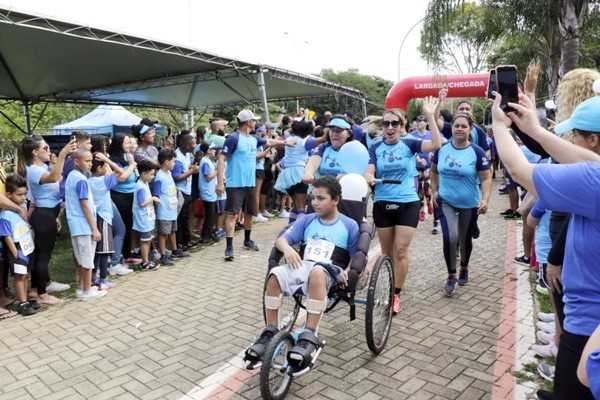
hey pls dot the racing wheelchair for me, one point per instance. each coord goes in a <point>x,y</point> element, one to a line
<point>276,373</point>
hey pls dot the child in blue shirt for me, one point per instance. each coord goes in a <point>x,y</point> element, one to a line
<point>17,235</point>
<point>208,185</point>
<point>144,216</point>
<point>165,189</point>
<point>81,216</point>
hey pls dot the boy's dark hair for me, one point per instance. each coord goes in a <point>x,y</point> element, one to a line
<point>331,184</point>
<point>145,166</point>
<point>184,138</point>
<point>302,128</point>
<point>14,182</point>
<point>96,164</point>
<point>165,155</point>
<point>286,120</point>
<point>80,136</point>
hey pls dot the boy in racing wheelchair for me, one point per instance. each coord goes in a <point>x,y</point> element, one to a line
<point>329,240</point>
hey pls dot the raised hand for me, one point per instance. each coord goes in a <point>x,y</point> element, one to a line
<point>429,105</point>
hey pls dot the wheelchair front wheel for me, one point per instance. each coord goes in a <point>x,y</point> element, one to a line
<point>380,300</point>
<point>274,379</point>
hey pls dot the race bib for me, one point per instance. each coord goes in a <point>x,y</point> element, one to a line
<point>27,245</point>
<point>173,202</point>
<point>318,250</point>
<point>151,213</point>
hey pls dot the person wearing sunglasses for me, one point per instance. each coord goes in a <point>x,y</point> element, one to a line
<point>396,207</point>
<point>43,183</point>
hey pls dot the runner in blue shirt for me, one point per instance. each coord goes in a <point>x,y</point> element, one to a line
<point>396,207</point>
<point>456,172</point>
<point>573,188</point>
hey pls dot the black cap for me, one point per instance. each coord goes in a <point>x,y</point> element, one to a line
<point>148,122</point>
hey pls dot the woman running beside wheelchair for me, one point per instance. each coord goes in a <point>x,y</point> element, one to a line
<point>396,207</point>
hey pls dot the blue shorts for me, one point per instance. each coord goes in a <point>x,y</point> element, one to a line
<point>221,206</point>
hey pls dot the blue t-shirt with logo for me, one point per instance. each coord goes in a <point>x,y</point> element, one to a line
<point>46,195</point>
<point>395,161</point>
<point>297,154</point>
<point>329,160</point>
<point>575,189</point>
<point>77,188</point>
<point>343,233</point>
<point>458,170</point>
<point>165,189</point>
<point>208,189</point>
<point>240,151</point>
<point>144,218</point>
<point>11,224</point>
<point>101,186</point>
<point>182,165</point>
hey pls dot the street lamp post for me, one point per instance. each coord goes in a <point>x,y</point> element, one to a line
<point>402,44</point>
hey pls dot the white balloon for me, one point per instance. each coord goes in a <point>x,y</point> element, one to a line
<point>596,86</point>
<point>354,187</point>
<point>550,104</point>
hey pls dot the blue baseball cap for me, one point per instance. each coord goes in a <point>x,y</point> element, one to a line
<point>340,123</point>
<point>585,117</point>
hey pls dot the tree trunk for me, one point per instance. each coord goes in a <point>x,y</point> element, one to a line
<point>552,71</point>
<point>569,59</point>
<point>571,19</point>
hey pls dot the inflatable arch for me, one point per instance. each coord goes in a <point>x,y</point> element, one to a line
<point>471,85</point>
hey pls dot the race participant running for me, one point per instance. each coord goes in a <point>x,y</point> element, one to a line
<point>396,207</point>
<point>329,241</point>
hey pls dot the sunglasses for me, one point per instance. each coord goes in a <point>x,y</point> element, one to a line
<point>394,124</point>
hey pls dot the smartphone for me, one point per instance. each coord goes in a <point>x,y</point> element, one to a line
<point>506,84</point>
<point>491,84</point>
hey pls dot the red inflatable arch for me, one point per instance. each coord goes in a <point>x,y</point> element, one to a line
<point>471,85</point>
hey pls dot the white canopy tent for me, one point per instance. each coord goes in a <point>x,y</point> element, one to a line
<point>104,120</point>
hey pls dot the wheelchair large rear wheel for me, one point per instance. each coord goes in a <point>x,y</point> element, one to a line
<point>380,300</point>
<point>274,379</point>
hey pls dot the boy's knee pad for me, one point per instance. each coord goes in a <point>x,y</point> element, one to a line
<point>315,306</point>
<point>273,302</point>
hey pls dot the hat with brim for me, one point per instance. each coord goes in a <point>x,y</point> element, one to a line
<point>339,123</point>
<point>585,117</point>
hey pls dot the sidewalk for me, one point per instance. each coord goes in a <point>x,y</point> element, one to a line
<point>178,332</point>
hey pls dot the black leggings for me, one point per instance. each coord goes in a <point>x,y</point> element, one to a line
<point>566,383</point>
<point>124,203</point>
<point>210,211</point>
<point>183,228</point>
<point>43,223</point>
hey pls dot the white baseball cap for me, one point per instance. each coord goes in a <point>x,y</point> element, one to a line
<point>246,115</point>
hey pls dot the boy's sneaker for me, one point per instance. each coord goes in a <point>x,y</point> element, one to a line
<point>179,254</point>
<point>105,284</point>
<point>55,287</point>
<point>284,214</point>
<point>545,350</point>
<point>92,295</point>
<point>149,266</point>
<point>155,255</point>
<point>523,259</point>
<point>546,317</point>
<point>507,212</point>
<point>259,218</point>
<point>229,256</point>
<point>165,260</point>
<point>250,245</point>
<point>255,353</point>
<point>206,241</point>
<point>463,276</point>
<point>267,214</point>
<point>396,306</point>
<point>450,286</point>
<point>545,337</point>
<point>79,291</point>
<point>26,309</point>
<point>546,327</point>
<point>301,355</point>
<point>221,233</point>
<point>513,215</point>
<point>546,371</point>
<point>119,269</point>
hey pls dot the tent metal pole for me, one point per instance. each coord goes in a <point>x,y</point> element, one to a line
<point>364,107</point>
<point>26,117</point>
<point>192,123</point>
<point>263,95</point>
<point>186,122</point>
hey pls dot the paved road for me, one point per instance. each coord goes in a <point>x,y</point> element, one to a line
<point>176,332</point>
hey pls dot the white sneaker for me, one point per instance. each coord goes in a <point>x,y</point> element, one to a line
<point>56,287</point>
<point>119,269</point>
<point>79,291</point>
<point>155,255</point>
<point>93,294</point>
<point>545,350</point>
<point>545,337</point>
<point>546,317</point>
<point>267,214</point>
<point>546,327</point>
<point>259,218</point>
<point>284,214</point>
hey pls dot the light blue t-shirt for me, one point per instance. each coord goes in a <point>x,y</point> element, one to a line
<point>329,165</point>
<point>395,161</point>
<point>11,224</point>
<point>240,152</point>
<point>208,189</point>
<point>296,156</point>
<point>46,195</point>
<point>144,218</point>
<point>165,189</point>
<point>127,186</point>
<point>182,165</point>
<point>77,188</point>
<point>101,186</point>
<point>543,244</point>
<point>575,189</point>
<point>458,170</point>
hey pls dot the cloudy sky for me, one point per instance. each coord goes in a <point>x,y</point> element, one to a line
<point>305,36</point>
